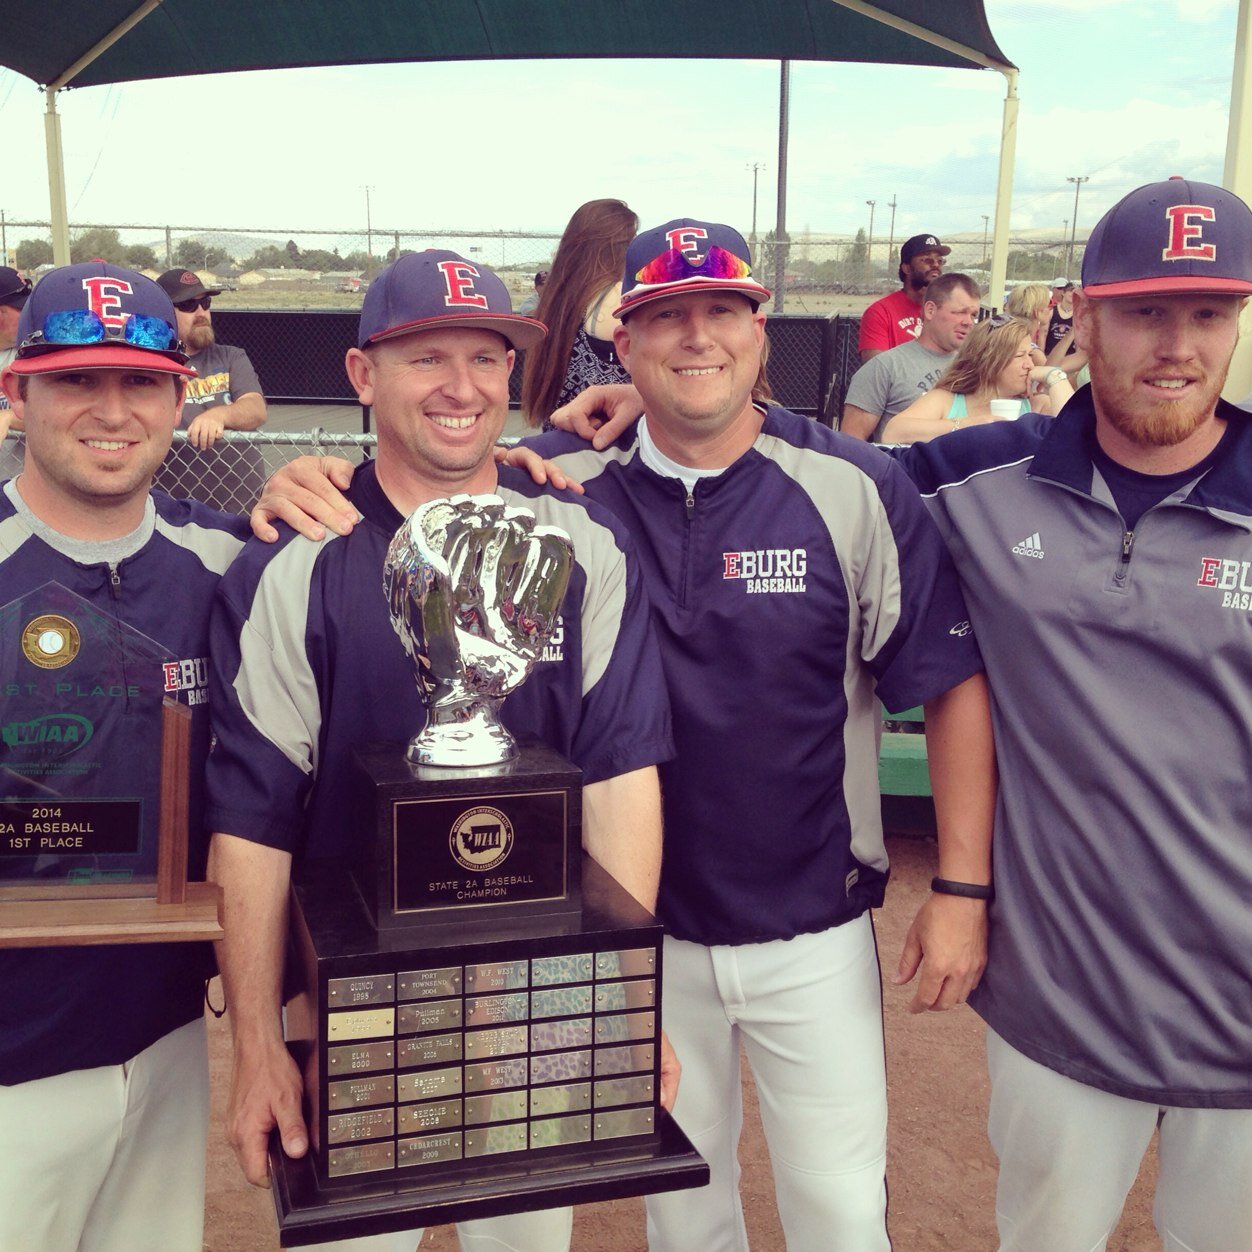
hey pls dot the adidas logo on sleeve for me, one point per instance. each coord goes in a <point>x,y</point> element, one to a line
<point>1033,546</point>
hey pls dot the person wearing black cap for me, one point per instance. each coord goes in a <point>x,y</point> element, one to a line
<point>1107,561</point>
<point>895,319</point>
<point>224,395</point>
<point>14,290</point>
<point>103,1055</point>
<point>435,349</point>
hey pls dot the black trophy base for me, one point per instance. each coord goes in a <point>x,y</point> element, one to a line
<point>308,1213</point>
<point>455,1072</point>
<point>451,845</point>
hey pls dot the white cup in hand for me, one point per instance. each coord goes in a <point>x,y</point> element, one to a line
<point>1006,410</point>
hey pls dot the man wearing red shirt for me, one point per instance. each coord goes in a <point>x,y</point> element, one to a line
<point>895,319</point>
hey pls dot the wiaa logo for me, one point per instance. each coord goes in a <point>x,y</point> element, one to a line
<point>64,731</point>
<point>481,838</point>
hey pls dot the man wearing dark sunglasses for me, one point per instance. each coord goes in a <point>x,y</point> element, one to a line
<point>224,395</point>
<point>14,290</point>
<point>103,1055</point>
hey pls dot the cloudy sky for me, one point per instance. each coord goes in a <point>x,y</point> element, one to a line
<point>1118,90</point>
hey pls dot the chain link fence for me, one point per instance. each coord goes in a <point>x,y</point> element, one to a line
<point>229,476</point>
<point>260,268</point>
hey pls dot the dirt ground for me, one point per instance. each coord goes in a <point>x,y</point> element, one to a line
<point>940,1169</point>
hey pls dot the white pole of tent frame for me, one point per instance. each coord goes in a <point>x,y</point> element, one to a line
<point>1008,129</point>
<point>1237,177</point>
<point>58,212</point>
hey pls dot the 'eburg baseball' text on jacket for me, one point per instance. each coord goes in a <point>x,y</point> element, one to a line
<point>792,592</point>
<point>1121,673</point>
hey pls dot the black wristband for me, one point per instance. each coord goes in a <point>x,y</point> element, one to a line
<point>970,890</point>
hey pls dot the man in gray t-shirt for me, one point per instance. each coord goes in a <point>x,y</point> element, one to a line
<point>224,395</point>
<point>889,382</point>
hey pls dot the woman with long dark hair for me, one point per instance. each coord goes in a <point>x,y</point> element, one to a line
<point>583,289</point>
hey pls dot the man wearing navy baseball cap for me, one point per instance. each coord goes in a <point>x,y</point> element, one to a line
<point>1105,557</point>
<point>103,1055</point>
<point>434,352</point>
<point>796,581</point>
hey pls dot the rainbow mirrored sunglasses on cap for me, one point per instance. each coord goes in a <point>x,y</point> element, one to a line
<point>674,266</point>
<point>75,327</point>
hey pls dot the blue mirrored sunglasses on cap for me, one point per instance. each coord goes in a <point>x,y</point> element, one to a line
<point>72,327</point>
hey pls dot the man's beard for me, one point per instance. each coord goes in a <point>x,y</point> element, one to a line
<point>200,336</point>
<point>1159,424</point>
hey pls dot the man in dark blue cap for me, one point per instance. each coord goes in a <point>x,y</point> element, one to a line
<point>1107,559</point>
<point>103,1053</point>
<point>796,581</point>
<point>435,349</point>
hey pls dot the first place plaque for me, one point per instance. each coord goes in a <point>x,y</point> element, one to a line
<point>94,763</point>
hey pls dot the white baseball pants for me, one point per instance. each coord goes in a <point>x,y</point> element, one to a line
<point>1069,1153</point>
<point>808,1012</point>
<point>109,1159</point>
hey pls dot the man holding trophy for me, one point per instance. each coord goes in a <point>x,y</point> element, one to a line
<point>308,666</point>
<point>107,589</point>
<point>797,581</point>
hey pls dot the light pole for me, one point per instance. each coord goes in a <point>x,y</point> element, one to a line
<point>986,221</point>
<point>756,167</point>
<point>869,250</point>
<point>891,240</point>
<point>1073,228</point>
<point>369,237</point>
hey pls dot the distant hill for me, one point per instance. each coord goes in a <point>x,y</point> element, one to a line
<point>239,246</point>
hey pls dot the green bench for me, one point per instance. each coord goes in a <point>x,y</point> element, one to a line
<point>902,757</point>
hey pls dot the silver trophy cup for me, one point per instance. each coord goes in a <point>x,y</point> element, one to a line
<point>474,588</point>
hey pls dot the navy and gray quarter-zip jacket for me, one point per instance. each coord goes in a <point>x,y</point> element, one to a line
<point>791,592</point>
<point>1121,674</point>
<point>143,627</point>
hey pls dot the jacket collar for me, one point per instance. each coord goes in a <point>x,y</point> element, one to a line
<point>1064,458</point>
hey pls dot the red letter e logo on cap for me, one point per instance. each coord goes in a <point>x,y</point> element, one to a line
<point>102,298</point>
<point>458,278</point>
<point>687,239</point>
<point>1184,231</point>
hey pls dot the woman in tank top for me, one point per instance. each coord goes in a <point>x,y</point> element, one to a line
<point>994,363</point>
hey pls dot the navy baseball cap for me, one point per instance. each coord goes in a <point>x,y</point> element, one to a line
<point>1175,237</point>
<point>13,287</point>
<point>687,255</point>
<point>98,316</point>
<point>182,285</point>
<point>919,244</point>
<point>435,288</point>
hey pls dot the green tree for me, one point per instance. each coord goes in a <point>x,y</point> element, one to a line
<point>858,251</point>
<point>358,260</point>
<point>293,254</point>
<point>319,259</point>
<point>32,253</point>
<point>196,254</point>
<point>140,257</point>
<point>268,258</point>
<point>97,243</point>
